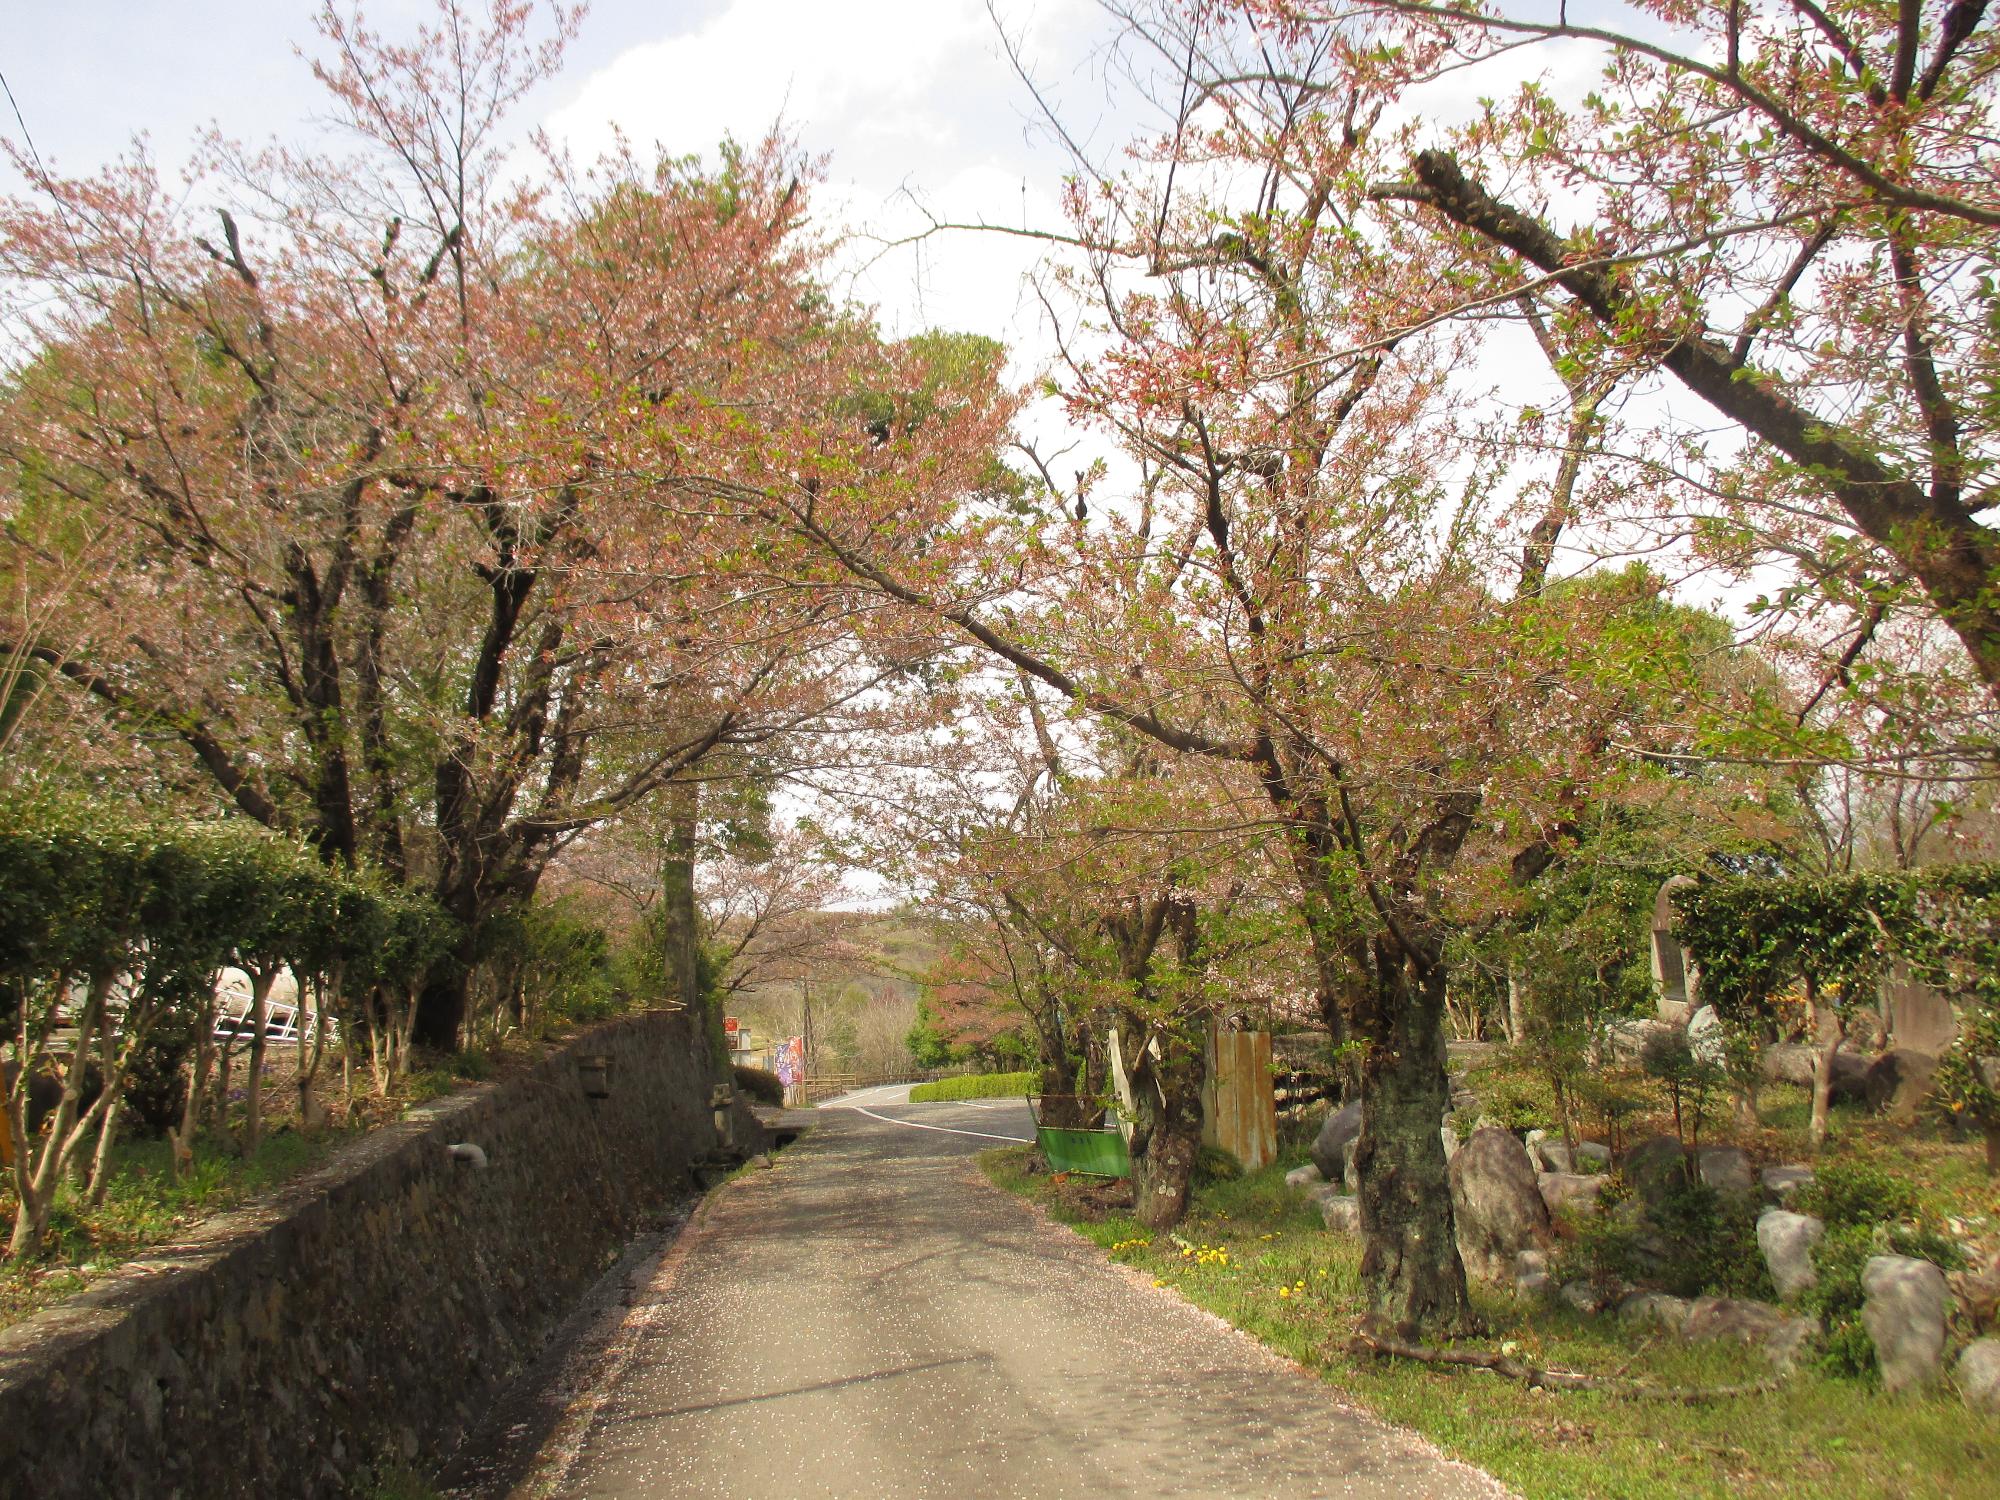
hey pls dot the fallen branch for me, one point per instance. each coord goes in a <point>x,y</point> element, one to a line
<point>1553,1380</point>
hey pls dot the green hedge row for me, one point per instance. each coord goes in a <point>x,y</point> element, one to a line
<point>87,899</point>
<point>1754,939</point>
<point>977,1086</point>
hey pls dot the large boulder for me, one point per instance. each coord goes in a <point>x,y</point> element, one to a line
<point>1727,1170</point>
<point>1622,1041</point>
<point>1898,1082</point>
<point>1328,1148</point>
<point>1301,1178</point>
<point>1787,1240</point>
<point>1651,1164</point>
<point>1570,1191</point>
<point>1497,1203</point>
<point>1978,1375</point>
<point>1904,1313</point>
<point>1792,1062</point>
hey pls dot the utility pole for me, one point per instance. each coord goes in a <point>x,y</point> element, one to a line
<point>805,1027</point>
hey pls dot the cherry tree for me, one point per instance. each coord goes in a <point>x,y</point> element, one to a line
<point>377,453</point>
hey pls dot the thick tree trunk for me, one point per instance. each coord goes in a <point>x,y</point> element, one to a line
<point>681,927</point>
<point>1410,1266</point>
<point>445,997</point>
<point>1166,1128</point>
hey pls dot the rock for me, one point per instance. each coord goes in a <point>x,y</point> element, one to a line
<point>1727,1170</point>
<point>1301,1178</point>
<point>1978,1375</point>
<point>1568,1191</point>
<point>1350,1174</point>
<point>1340,1213</point>
<point>1497,1204</point>
<point>1787,1240</point>
<point>1899,1081</point>
<point>1791,1062</point>
<point>1548,1153</point>
<point>1976,1290</point>
<point>1593,1156</point>
<point>1651,1165</point>
<point>1670,1313</point>
<point>1531,1275</point>
<point>1732,1318</point>
<point>1781,1184</point>
<point>1342,1126</point>
<point>1585,1298</point>
<point>1904,1314</point>
<point>1786,1345</point>
<point>1704,1033</point>
<point>1450,1138</point>
<point>1623,1041</point>
<point>1919,1016</point>
<point>1780,1334</point>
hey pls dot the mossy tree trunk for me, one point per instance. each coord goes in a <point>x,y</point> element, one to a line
<point>1410,1265</point>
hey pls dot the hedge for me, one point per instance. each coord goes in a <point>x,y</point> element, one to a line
<point>977,1086</point>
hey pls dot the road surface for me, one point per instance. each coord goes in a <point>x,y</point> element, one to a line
<point>871,1319</point>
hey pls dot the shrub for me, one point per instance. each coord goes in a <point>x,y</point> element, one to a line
<point>1710,1241</point>
<point>1850,1193</point>
<point>1868,1213</point>
<point>761,1085</point>
<point>1691,1242</point>
<point>977,1086</point>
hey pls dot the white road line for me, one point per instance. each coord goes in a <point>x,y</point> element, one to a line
<point>1019,1140</point>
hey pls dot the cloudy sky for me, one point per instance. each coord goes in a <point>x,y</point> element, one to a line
<point>909,99</point>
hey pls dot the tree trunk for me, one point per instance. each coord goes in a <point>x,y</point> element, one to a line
<point>441,1004</point>
<point>261,981</point>
<point>1993,1148</point>
<point>35,1182</point>
<point>1410,1266</point>
<point>1826,1021</point>
<point>680,926</point>
<point>1060,1105</point>
<point>1166,1129</point>
<point>1517,1018</point>
<point>100,1161</point>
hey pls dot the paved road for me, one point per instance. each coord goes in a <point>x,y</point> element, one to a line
<point>871,1319</point>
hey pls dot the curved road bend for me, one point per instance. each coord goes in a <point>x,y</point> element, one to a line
<point>871,1319</point>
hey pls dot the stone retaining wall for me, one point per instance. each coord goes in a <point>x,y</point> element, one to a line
<point>370,1311</point>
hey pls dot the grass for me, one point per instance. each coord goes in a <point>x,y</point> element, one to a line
<point>977,1086</point>
<point>1296,1287</point>
<point>143,1206</point>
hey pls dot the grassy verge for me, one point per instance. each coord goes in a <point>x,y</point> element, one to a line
<point>977,1086</point>
<point>1296,1287</point>
<point>143,1206</point>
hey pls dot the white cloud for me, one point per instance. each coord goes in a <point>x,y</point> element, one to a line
<point>912,101</point>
